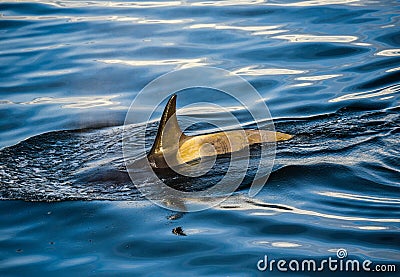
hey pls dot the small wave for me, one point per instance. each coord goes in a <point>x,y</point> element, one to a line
<point>395,89</point>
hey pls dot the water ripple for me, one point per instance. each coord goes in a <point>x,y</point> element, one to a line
<point>254,30</point>
<point>315,38</point>
<point>255,71</point>
<point>181,63</point>
<point>366,198</point>
<point>72,18</point>
<point>368,94</point>
<point>389,53</point>
<point>81,102</point>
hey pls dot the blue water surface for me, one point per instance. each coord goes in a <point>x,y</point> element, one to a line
<point>329,71</point>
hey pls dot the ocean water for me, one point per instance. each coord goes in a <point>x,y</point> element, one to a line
<point>328,70</point>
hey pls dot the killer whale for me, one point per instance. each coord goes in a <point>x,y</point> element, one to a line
<point>174,146</point>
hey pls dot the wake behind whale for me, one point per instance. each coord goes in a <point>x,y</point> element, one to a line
<point>88,164</point>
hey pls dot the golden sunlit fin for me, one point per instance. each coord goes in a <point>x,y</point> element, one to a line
<point>168,135</point>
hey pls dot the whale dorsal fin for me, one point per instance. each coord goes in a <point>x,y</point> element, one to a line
<point>168,135</point>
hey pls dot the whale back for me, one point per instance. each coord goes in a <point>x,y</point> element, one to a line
<point>172,144</point>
